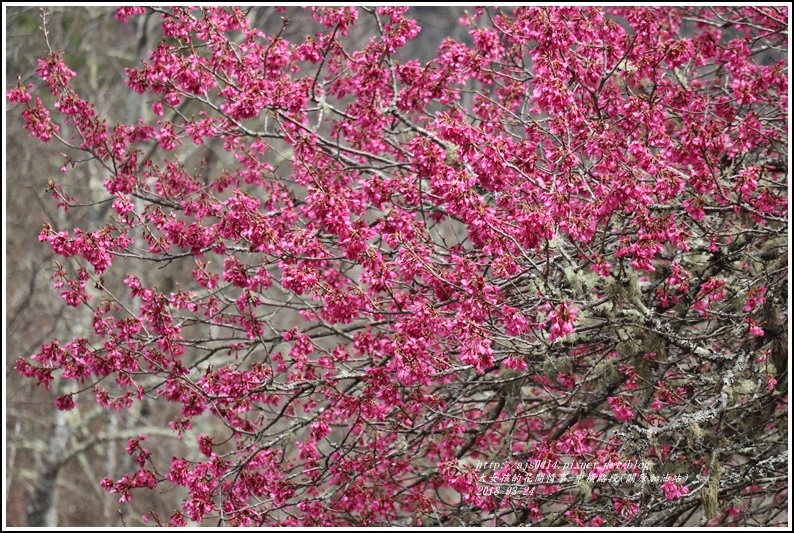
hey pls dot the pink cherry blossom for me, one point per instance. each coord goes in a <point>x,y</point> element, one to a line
<point>344,274</point>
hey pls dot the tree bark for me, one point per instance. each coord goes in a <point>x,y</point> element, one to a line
<point>42,510</point>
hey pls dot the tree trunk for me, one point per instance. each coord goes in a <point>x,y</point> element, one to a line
<point>42,510</point>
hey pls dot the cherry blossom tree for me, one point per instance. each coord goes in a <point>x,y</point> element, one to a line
<point>540,278</point>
